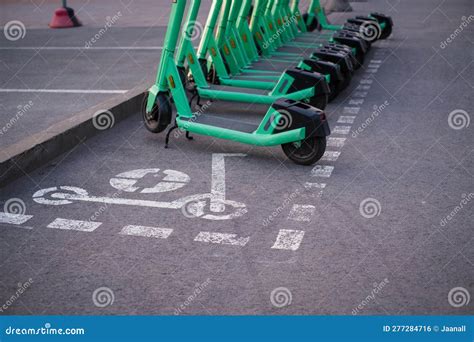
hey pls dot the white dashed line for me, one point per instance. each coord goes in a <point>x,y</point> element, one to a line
<point>336,142</point>
<point>309,185</point>
<point>357,102</point>
<point>331,155</point>
<point>372,71</point>
<point>366,81</point>
<point>376,61</point>
<point>373,66</point>
<point>351,110</point>
<point>322,171</point>
<point>363,87</point>
<point>15,219</point>
<point>288,239</point>
<point>341,130</point>
<point>155,232</point>
<point>83,226</point>
<point>346,119</point>
<point>301,212</point>
<point>221,238</point>
<point>360,94</point>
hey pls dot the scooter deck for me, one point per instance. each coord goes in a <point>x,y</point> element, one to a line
<point>216,121</point>
<point>238,89</point>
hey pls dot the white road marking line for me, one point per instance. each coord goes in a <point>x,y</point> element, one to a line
<point>373,66</point>
<point>81,48</point>
<point>301,212</point>
<point>15,219</point>
<point>322,171</point>
<point>357,102</point>
<point>372,71</point>
<point>309,185</point>
<point>336,142</point>
<point>363,87</point>
<point>221,238</point>
<point>341,130</point>
<point>377,61</point>
<point>367,81</point>
<point>155,232</point>
<point>360,94</point>
<point>83,226</point>
<point>331,155</point>
<point>351,110</point>
<point>62,91</point>
<point>346,119</point>
<point>288,239</point>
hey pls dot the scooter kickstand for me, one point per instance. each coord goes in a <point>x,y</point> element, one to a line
<point>167,139</point>
<point>188,136</point>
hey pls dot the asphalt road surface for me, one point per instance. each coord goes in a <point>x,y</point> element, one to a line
<point>382,225</point>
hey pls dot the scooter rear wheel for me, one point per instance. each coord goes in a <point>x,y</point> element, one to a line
<point>307,152</point>
<point>319,101</point>
<point>160,116</point>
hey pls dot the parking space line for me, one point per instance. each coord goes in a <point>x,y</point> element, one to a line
<point>288,239</point>
<point>15,219</point>
<point>155,232</point>
<point>63,91</point>
<point>221,238</point>
<point>301,212</point>
<point>81,48</point>
<point>324,171</point>
<point>336,142</point>
<point>83,226</point>
<point>331,155</point>
<point>357,102</point>
<point>360,94</point>
<point>346,119</point>
<point>310,185</point>
<point>351,110</point>
<point>341,130</point>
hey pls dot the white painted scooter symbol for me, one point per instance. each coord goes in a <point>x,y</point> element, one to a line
<point>210,206</point>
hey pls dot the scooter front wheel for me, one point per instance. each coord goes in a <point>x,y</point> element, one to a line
<point>306,152</point>
<point>159,117</point>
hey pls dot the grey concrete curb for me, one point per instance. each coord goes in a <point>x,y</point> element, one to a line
<point>36,150</point>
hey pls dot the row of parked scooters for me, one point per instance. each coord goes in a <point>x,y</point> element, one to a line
<point>259,52</point>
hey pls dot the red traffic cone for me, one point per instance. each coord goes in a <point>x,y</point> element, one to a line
<point>64,17</point>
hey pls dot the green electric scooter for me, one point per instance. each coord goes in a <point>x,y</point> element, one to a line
<point>373,26</point>
<point>294,83</point>
<point>299,128</point>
